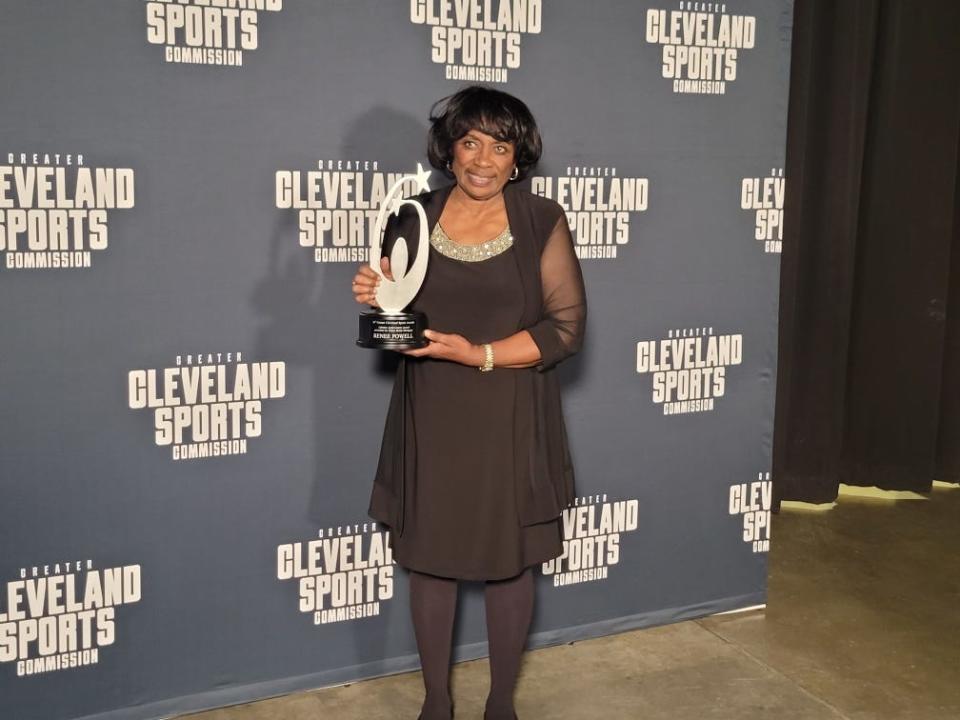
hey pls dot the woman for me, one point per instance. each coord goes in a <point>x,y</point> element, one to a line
<point>474,469</point>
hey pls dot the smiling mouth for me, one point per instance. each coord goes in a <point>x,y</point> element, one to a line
<point>480,179</point>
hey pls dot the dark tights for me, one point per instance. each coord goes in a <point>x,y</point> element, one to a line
<point>509,608</point>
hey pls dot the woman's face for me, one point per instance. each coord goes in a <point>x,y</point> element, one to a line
<point>482,164</point>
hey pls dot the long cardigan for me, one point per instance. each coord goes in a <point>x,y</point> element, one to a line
<point>543,470</point>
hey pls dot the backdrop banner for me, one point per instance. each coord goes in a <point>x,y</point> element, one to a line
<point>189,433</point>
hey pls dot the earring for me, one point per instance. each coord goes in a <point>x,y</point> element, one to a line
<point>516,173</point>
<point>449,166</point>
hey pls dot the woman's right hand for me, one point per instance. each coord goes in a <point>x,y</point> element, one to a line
<point>366,281</point>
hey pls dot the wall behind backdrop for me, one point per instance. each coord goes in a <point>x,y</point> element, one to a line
<point>188,432</point>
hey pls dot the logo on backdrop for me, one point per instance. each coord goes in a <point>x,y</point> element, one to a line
<point>701,45</point>
<point>764,196</point>
<point>599,204</point>
<point>689,367</point>
<point>58,616</point>
<point>53,209</point>
<point>343,574</point>
<point>206,405</point>
<point>206,32</point>
<point>337,205</point>
<point>752,501</point>
<point>592,528</point>
<point>477,40</point>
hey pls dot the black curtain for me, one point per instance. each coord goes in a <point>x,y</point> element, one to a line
<point>868,385</point>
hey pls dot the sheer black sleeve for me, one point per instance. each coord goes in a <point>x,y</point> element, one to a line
<point>559,332</point>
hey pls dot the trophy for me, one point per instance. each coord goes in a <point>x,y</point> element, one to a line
<point>390,327</point>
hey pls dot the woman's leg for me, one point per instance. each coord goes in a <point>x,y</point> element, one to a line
<point>433,603</point>
<point>509,605</point>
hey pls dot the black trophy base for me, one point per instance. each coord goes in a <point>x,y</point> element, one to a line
<point>392,331</point>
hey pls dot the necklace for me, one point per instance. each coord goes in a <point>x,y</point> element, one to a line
<point>470,253</point>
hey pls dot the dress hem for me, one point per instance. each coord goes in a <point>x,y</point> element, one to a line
<point>473,578</point>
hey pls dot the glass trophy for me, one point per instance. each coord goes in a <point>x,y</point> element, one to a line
<point>391,327</point>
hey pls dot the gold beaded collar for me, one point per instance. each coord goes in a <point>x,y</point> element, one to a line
<point>471,253</point>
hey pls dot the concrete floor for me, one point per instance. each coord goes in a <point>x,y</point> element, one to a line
<point>862,623</point>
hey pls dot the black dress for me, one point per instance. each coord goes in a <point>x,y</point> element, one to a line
<point>467,488</point>
<point>459,507</point>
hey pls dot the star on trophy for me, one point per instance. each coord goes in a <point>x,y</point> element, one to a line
<point>390,327</point>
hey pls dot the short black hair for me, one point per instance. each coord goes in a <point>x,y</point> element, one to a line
<point>494,112</point>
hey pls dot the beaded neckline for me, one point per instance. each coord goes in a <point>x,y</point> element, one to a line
<point>471,253</point>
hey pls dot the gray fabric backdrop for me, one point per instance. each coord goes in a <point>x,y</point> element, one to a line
<point>177,235</point>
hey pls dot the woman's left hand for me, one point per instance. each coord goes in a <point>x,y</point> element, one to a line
<point>449,346</point>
